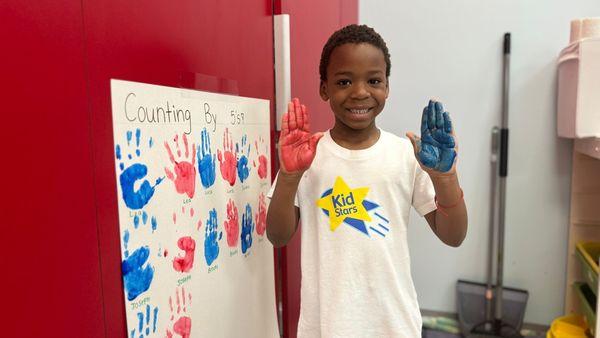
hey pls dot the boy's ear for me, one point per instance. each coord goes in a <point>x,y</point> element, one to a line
<point>323,91</point>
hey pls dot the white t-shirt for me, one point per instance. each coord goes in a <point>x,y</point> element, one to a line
<point>356,279</point>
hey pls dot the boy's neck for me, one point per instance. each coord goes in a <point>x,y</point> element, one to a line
<point>354,139</point>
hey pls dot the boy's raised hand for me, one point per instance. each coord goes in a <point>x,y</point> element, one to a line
<point>297,146</point>
<point>436,150</point>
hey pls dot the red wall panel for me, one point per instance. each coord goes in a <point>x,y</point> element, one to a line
<point>165,43</point>
<point>50,271</point>
<point>311,24</point>
<point>59,195</point>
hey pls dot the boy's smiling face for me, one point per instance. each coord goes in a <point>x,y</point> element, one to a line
<point>356,86</point>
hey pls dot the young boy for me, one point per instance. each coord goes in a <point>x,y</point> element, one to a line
<point>353,187</point>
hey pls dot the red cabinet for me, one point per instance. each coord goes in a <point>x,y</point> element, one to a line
<point>61,237</point>
<point>50,258</point>
<point>208,45</point>
<point>61,245</point>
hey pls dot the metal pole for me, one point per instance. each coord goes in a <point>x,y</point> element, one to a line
<point>489,313</point>
<point>503,172</point>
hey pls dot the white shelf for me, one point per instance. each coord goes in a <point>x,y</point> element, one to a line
<point>578,85</point>
<point>584,222</point>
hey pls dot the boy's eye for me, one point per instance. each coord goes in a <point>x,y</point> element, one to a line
<point>375,81</point>
<point>343,83</point>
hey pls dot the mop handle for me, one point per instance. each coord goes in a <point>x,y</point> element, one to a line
<point>504,127</point>
<point>493,202</point>
<point>502,173</point>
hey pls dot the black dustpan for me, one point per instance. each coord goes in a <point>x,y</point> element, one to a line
<point>472,310</point>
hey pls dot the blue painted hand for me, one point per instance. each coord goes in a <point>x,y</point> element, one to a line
<point>137,274</point>
<point>143,328</point>
<point>129,177</point>
<point>436,150</point>
<point>247,229</point>
<point>211,237</point>
<point>243,152</point>
<point>136,199</point>
<point>206,161</point>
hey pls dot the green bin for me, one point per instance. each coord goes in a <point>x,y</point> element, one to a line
<point>588,303</point>
<point>588,254</point>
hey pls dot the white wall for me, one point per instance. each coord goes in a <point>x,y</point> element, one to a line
<point>453,50</point>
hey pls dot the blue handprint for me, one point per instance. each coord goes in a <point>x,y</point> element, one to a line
<point>247,229</point>
<point>126,242</point>
<point>211,237</point>
<point>137,279</point>
<point>135,199</point>
<point>144,322</point>
<point>136,220</point>
<point>242,164</point>
<point>437,141</point>
<point>206,161</point>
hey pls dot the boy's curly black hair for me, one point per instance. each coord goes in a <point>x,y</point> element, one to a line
<point>353,34</point>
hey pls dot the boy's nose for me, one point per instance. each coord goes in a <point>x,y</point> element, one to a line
<point>360,91</point>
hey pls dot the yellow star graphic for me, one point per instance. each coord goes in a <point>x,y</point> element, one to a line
<point>344,202</point>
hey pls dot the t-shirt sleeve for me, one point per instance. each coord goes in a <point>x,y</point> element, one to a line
<point>423,192</point>
<point>270,193</point>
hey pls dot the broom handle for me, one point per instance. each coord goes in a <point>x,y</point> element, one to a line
<point>489,313</point>
<point>503,172</point>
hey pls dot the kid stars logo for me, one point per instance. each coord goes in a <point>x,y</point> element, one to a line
<point>345,205</point>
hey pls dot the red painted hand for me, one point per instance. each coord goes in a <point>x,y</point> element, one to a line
<point>185,172</point>
<point>183,325</point>
<point>185,263</point>
<point>232,224</point>
<point>227,159</point>
<point>297,146</point>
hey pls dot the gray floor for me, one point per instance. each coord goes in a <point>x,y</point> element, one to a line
<point>540,330</point>
<point>437,334</point>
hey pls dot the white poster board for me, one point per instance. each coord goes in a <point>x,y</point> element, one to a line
<point>193,169</point>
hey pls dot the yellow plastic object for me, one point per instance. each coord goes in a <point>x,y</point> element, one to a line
<point>571,326</point>
<point>588,254</point>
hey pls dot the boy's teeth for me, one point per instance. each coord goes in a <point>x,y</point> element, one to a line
<point>359,111</point>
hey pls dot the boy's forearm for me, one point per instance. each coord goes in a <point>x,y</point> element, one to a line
<point>450,223</point>
<point>282,219</point>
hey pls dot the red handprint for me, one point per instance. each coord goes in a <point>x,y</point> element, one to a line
<point>261,215</point>
<point>262,158</point>
<point>227,159</point>
<point>297,147</point>
<point>232,224</point>
<point>183,325</point>
<point>185,173</point>
<point>185,263</point>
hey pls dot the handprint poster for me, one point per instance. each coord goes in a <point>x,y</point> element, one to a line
<point>192,173</point>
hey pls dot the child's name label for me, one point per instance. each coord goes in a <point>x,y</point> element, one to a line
<point>232,253</point>
<point>213,268</point>
<point>245,187</point>
<point>208,192</point>
<point>135,213</point>
<point>181,281</point>
<point>187,200</point>
<point>230,191</point>
<point>140,303</point>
